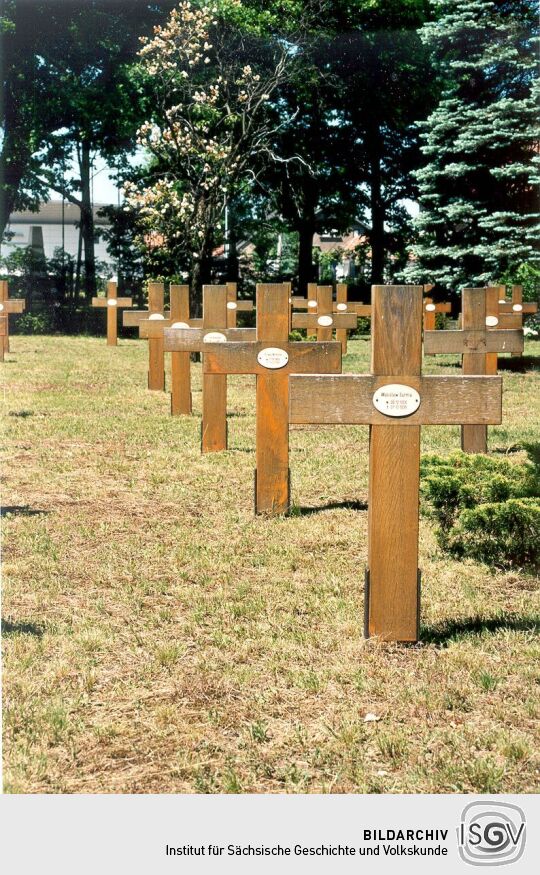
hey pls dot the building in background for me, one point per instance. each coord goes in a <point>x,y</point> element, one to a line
<point>56,225</point>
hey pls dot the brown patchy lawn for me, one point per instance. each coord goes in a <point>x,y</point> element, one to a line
<point>160,638</point>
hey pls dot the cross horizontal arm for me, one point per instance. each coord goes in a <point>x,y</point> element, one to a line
<point>347,399</point>
<point>525,308</point>
<point>112,302</point>
<point>300,358</point>
<point>244,306</point>
<point>337,320</point>
<point>132,318</point>
<point>471,340</point>
<point>193,339</point>
<point>12,305</point>
<point>155,327</point>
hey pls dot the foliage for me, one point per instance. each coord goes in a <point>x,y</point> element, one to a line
<point>478,190</point>
<point>486,508</point>
<point>35,323</point>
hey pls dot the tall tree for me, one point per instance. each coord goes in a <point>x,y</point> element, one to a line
<point>478,191</point>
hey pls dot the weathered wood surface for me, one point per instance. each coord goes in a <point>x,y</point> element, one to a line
<point>241,358</point>
<point>180,361</point>
<point>157,327</point>
<point>156,353</point>
<point>324,308</point>
<point>473,319</point>
<point>3,332</point>
<point>394,472</point>
<point>347,400</point>
<point>342,321</point>
<point>342,293</point>
<point>113,303</point>
<point>192,339</point>
<point>430,312</point>
<point>492,310</point>
<point>133,318</point>
<point>214,394</point>
<point>471,340</point>
<point>234,306</point>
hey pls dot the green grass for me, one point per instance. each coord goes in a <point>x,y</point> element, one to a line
<point>160,638</point>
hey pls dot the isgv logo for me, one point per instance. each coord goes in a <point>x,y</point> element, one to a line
<point>491,833</point>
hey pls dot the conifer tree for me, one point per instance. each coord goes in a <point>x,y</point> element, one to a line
<point>479,209</point>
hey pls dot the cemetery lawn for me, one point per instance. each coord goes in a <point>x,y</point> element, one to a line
<point>159,638</point>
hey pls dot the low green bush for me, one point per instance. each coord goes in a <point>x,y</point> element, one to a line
<point>486,508</point>
<point>34,323</point>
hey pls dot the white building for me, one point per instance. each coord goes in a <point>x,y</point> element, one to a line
<point>52,227</point>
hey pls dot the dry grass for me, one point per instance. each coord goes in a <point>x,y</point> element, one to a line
<point>159,638</point>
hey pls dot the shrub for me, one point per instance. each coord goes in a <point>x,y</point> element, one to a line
<point>34,323</point>
<point>486,508</point>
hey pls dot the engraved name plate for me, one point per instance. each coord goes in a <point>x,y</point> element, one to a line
<point>214,337</point>
<point>232,305</point>
<point>112,302</point>
<point>396,400</point>
<point>312,303</point>
<point>325,321</point>
<point>155,316</point>
<point>273,358</point>
<point>341,307</point>
<point>430,308</point>
<point>179,325</point>
<point>491,321</point>
<point>517,308</point>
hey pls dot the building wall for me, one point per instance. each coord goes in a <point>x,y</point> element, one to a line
<point>52,239</point>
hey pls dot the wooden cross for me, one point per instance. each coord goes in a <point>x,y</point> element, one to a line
<point>180,361</point>
<point>3,331</point>
<point>395,400</point>
<point>8,305</point>
<point>430,311</point>
<point>113,303</point>
<point>183,341</point>
<point>273,358</point>
<point>475,341</point>
<point>234,306</point>
<point>324,319</point>
<point>156,312</point>
<point>511,312</point>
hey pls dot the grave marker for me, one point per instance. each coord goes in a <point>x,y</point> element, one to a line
<point>113,303</point>
<point>395,400</point>
<point>475,341</point>
<point>180,361</point>
<point>214,391</point>
<point>155,312</point>
<point>8,305</point>
<point>3,330</point>
<point>273,358</point>
<point>430,312</point>
<point>511,312</point>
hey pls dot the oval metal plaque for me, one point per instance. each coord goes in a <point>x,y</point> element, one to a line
<point>341,307</point>
<point>325,321</point>
<point>517,308</point>
<point>396,399</point>
<point>273,358</point>
<point>491,321</point>
<point>156,316</point>
<point>430,308</point>
<point>1,307</point>
<point>502,300</point>
<point>214,337</point>
<point>232,305</point>
<point>312,303</point>
<point>111,302</point>
<point>179,325</point>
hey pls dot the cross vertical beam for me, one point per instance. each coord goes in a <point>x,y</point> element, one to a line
<point>156,354</point>
<point>272,481</point>
<point>312,303</point>
<point>492,313</point>
<point>214,393</point>
<point>473,316</point>
<point>324,308</point>
<point>392,600</point>
<point>341,298</point>
<point>180,364</point>
<point>8,305</point>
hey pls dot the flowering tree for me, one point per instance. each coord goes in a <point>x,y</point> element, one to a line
<point>212,126</point>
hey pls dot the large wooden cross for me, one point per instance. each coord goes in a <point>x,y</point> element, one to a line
<point>156,311</point>
<point>8,305</point>
<point>430,312</point>
<point>273,358</point>
<point>184,340</point>
<point>234,306</point>
<point>113,303</point>
<point>474,342</point>
<point>180,361</point>
<point>395,400</point>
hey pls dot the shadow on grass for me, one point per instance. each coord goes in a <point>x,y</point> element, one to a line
<point>333,505</point>
<point>444,633</point>
<point>520,365</point>
<point>9,628</point>
<point>21,510</point>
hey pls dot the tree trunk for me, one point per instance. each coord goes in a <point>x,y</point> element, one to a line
<point>87,221</point>
<point>377,211</point>
<point>306,272</point>
<point>201,275</point>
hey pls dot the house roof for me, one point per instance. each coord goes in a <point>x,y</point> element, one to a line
<point>50,213</point>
